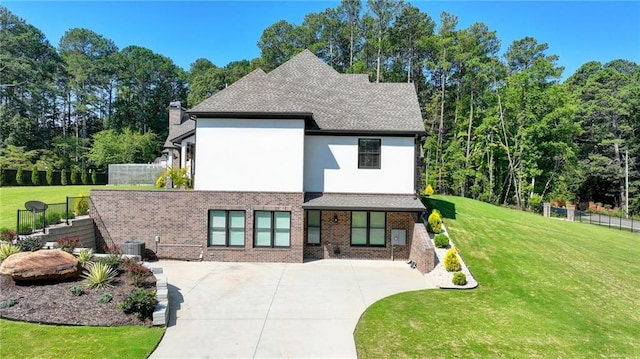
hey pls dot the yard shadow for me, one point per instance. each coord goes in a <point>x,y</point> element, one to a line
<point>447,209</point>
<point>175,302</point>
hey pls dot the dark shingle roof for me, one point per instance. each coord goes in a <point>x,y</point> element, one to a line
<point>177,132</point>
<point>340,102</point>
<point>362,202</point>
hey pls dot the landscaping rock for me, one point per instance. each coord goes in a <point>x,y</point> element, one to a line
<point>41,265</point>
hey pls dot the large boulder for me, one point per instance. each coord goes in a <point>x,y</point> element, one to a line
<point>41,265</point>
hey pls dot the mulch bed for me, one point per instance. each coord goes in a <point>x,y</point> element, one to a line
<point>53,303</point>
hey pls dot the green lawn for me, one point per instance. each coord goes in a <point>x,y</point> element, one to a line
<point>26,340</point>
<point>13,198</point>
<point>547,288</point>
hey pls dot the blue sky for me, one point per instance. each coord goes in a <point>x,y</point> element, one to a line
<point>576,31</point>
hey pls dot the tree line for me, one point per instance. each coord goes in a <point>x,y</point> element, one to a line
<point>502,127</point>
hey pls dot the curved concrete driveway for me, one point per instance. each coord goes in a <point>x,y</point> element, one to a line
<point>275,310</point>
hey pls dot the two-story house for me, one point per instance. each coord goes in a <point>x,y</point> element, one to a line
<point>299,163</point>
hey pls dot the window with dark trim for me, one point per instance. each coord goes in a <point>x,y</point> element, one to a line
<point>226,228</point>
<point>368,229</point>
<point>271,229</point>
<point>314,218</point>
<point>369,153</point>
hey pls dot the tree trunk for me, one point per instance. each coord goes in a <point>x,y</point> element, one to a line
<point>467,154</point>
<point>379,55</point>
<point>441,129</point>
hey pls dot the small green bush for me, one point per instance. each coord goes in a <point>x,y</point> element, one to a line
<point>63,177</point>
<point>94,177</point>
<point>7,249</point>
<point>535,203</point>
<point>74,176</point>
<point>99,275</point>
<point>435,221</point>
<point>19,177</point>
<point>441,240</point>
<point>161,182</point>
<point>7,235</point>
<point>459,278</point>
<point>54,217</point>
<point>35,176</point>
<point>25,229</point>
<point>85,256</point>
<point>68,244</point>
<point>139,303</point>
<point>84,177</point>
<point>112,260</point>
<point>81,206</point>
<point>451,261</point>
<point>105,298</point>
<point>49,176</point>
<point>30,244</point>
<point>8,303</point>
<point>76,290</point>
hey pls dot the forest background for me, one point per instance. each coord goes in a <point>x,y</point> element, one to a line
<point>502,127</point>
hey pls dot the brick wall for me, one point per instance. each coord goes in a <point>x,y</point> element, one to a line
<point>422,251</point>
<point>337,236</point>
<point>180,219</point>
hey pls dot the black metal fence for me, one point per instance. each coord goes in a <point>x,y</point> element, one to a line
<point>28,222</point>
<point>631,224</point>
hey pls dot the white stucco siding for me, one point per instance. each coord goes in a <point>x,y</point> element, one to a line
<point>249,155</point>
<point>331,165</point>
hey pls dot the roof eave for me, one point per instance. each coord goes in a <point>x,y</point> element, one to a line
<point>195,115</point>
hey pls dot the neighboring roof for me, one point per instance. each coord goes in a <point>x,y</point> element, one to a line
<point>362,202</point>
<point>338,102</point>
<point>181,131</point>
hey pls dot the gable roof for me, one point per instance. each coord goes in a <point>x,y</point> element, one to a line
<point>337,102</point>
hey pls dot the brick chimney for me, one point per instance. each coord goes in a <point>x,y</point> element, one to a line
<point>176,111</point>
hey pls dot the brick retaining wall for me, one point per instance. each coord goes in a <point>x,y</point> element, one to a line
<point>422,250</point>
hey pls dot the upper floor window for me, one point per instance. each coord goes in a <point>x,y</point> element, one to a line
<point>226,228</point>
<point>369,153</point>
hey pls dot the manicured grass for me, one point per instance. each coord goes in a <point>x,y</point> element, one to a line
<point>548,288</point>
<point>27,340</point>
<point>13,198</point>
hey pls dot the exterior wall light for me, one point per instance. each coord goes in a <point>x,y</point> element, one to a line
<point>335,218</point>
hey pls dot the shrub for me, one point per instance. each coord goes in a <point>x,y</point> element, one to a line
<point>68,244</point>
<point>63,177</point>
<point>76,290</point>
<point>49,176</point>
<point>54,217</point>
<point>74,176</point>
<point>35,176</point>
<point>441,240</point>
<point>136,271</point>
<point>8,303</point>
<point>179,178</point>
<point>81,206</point>
<point>7,235</point>
<point>435,221</point>
<point>25,229</point>
<point>94,177</point>
<point>428,191</point>
<point>30,244</point>
<point>85,256</point>
<point>112,260</point>
<point>84,177</point>
<point>105,298</point>
<point>535,203</point>
<point>7,250</point>
<point>161,182</point>
<point>139,303</point>
<point>99,275</point>
<point>451,261</point>
<point>459,278</point>
<point>19,177</point>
